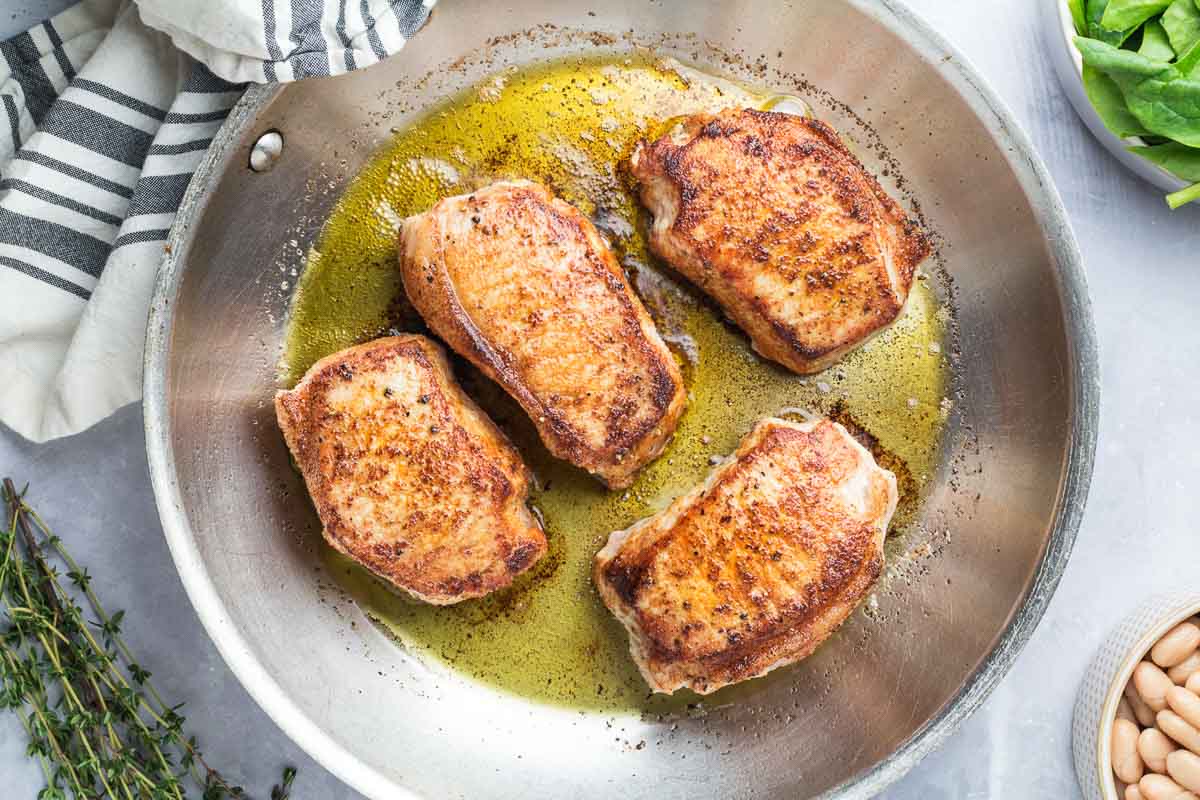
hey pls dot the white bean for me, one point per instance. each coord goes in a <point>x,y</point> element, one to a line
<point>1126,762</point>
<point>1125,711</point>
<point>1132,792</point>
<point>1184,703</point>
<point>1185,669</point>
<point>1160,787</point>
<point>1193,683</point>
<point>1152,684</point>
<point>1143,712</point>
<point>1175,645</point>
<point>1184,767</point>
<point>1178,729</point>
<point>1154,747</point>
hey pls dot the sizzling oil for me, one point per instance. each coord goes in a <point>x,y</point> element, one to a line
<point>570,124</point>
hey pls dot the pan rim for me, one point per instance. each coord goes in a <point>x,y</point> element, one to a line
<point>1084,390</point>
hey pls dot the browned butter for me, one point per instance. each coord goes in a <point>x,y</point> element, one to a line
<point>572,125</point>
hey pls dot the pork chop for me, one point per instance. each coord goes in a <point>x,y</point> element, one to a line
<point>777,221</point>
<point>410,478</point>
<point>754,568</point>
<point>520,283</point>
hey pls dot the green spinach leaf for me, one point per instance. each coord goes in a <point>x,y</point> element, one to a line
<point>1095,13</point>
<point>1181,21</point>
<point>1188,63</point>
<point>1125,15</point>
<point>1155,44</point>
<point>1109,103</point>
<point>1120,63</point>
<point>1180,160</point>
<point>1078,16</point>
<point>1166,105</point>
<point>1163,99</point>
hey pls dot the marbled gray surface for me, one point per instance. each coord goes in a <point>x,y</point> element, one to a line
<point>1144,270</point>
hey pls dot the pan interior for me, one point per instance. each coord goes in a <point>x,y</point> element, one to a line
<point>965,582</point>
<point>572,124</point>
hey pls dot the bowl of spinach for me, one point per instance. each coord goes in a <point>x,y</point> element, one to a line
<point>1132,70</point>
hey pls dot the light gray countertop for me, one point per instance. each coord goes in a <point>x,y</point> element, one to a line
<point>1143,266</point>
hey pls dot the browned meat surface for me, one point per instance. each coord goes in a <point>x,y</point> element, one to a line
<point>410,478</point>
<point>521,284</point>
<point>754,568</point>
<point>774,218</point>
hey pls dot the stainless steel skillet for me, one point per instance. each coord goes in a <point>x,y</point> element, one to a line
<point>955,609</point>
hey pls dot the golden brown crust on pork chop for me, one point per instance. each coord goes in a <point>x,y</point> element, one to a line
<point>521,284</point>
<point>754,568</point>
<point>773,217</point>
<point>410,478</point>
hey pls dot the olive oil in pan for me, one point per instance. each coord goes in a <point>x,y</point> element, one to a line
<point>572,124</point>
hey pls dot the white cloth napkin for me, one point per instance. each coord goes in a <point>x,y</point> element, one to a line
<point>110,107</point>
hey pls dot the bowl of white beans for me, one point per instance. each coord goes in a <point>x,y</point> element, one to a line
<point>1136,728</point>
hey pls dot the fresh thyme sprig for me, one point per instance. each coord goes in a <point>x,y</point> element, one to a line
<point>96,724</point>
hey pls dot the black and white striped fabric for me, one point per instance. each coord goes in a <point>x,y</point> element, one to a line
<point>109,110</point>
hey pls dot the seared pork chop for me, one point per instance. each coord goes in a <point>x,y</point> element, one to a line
<point>755,567</point>
<point>521,284</point>
<point>410,478</point>
<point>773,217</point>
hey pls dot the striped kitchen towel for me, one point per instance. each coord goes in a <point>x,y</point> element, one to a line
<point>110,107</point>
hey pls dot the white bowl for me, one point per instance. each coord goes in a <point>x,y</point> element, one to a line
<point>1068,63</point>
<point>1105,680</point>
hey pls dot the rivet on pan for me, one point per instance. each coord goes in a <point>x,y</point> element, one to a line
<point>266,151</point>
